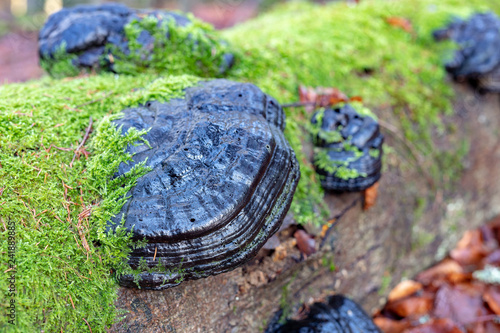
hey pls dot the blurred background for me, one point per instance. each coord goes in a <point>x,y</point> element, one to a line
<point>20,21</point>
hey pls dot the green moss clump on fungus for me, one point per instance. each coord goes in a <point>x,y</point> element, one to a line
<point>193,49</point>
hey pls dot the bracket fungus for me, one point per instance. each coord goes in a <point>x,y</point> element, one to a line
<point>339,315</point>
<point>348,152</point>
<point>222,179</point>
<point>478,55</point>
<point>99,37</point>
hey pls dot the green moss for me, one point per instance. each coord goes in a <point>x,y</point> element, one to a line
<point>385,283</point>
<point>285,301</point>
<point>61,64</point>
<point>328,261</point>
<point>375,153</point>
<point>193,49</point>
<point>339,168</point>
<point>64,258</point>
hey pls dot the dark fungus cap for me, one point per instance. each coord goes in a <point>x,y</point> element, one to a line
<point>223,177</point>
<point>478,40</point>
<point>338,315</point>
<point>348,152</point>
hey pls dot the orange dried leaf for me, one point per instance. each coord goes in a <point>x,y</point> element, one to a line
<point>470,249</point>
<point>321,97</point>
<point>370,196</point>
<point>387,325</point>
<point>400,22</point>
<point>444,271</point>
<point>404,289</point>
<point>411,306</point>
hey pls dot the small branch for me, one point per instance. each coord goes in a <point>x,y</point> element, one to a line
<point>298,104</point>
<point>87,134</point>
<point>335,219</point>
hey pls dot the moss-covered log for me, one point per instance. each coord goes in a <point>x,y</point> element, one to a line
<point>57,188</point>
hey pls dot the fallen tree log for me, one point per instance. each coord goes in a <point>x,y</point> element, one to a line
<point>439,179</point>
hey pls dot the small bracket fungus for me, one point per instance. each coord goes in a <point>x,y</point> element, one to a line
<point>478,55</point>
<point>119,39</point>
<point>223,177</point>
<point>348,148</point>
<point>339,315</point>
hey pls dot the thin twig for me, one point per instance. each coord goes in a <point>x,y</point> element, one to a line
<point>71,299</point>
<point>59,148</point>
<point>87,325</point>
<point>336,219</point>
<point>298,104</point>
<point>87,134</point>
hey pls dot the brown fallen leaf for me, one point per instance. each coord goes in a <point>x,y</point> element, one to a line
<point>320,97</point>
<point>387,325</point>
<point>447,270</point>
<point>470,249</point>
<point>462,303</point>
<point>436,326</point>
<point>370,196</point>
<point>305,242</point>
<point>400,22</point>
<point>403,289</point>
<point>411,306</point>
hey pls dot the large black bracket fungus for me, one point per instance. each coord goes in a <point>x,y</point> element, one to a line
<point>87,31</point>
<point>339,315</point>
<point>223,177</point>
<point>348,152</point>
<point>478,55</point>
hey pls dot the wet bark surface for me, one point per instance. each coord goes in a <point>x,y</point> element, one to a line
<point>365,254</point>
